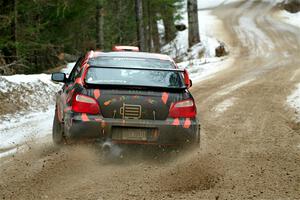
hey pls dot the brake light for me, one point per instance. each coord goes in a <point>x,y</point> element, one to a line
<point>85,104</point>
<point>185,109</point>
<point>125,48</point>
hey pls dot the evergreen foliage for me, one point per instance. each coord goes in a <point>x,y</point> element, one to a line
<point>34,32</point>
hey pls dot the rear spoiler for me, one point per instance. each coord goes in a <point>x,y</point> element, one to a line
<point>186,77</point>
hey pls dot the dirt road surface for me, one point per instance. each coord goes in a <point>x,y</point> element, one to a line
<point>249,147</point>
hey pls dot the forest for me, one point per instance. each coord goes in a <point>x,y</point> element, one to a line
<point>36,35</point>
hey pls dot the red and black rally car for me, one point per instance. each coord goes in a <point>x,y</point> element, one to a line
<point>126,98</point>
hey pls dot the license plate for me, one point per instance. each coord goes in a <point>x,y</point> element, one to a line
<point>136,134</point>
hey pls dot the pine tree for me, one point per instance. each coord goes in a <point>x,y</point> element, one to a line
<point>36,32</point>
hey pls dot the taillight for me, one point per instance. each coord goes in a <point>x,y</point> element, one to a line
<point>186,109</point>
<point>85,104</point>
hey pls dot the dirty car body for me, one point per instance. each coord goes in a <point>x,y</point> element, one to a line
<point>126,98</point>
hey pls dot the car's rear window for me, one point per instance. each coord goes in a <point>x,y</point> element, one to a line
<point>110,72</point>
<point>108,61</point>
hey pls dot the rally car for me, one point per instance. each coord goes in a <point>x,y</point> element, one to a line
<point>126,97</point>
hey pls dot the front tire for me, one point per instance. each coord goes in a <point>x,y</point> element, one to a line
<point>57,131</point>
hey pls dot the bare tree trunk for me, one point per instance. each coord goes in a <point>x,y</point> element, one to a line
<point>155,35</point>
<point>194,36</point>
<point>140,25</point>
<point>99,26</point>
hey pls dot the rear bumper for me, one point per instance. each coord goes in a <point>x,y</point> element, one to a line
<point>166,132</point>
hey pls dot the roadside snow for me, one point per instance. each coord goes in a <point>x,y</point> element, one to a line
<point>9,152</point>
<point>8,83</point>
<point>22,128</point>
<point>33,123</point>
<point>67,70</point>
<point>290,18</point>
<point>202,69</point>
<point>30,93</point>
<point>18,79</point>
<point>178,48</point>
<point>209,4</point>
<point>294,102</point>
<point>200,60</point>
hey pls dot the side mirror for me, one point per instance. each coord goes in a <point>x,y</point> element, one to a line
<point>187,81</point>
<point>59,77</point>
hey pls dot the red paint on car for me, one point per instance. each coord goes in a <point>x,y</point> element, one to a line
<point>165,97</point>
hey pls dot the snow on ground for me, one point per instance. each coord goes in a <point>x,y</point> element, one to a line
<point>178,48</point>
<point>209,4</point>
<point>230,88</point>
<point>200,60</point>
<point>29,93</point>
<point>16,130</point>
<point>202,69</point>
<point>24,128</point>
<point>224,105</point>
<point>250,33</point>
<point>290,18</point>
<point>294,102</point>
<point>67,70</point>
<point>8,83</point>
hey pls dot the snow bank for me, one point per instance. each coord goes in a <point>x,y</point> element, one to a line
<point>200,60</point>
<point>209,4</point>
<point>178,48</point>
<point>290,18</point>
<point>18,79</point>
<point>202,69</point>
<point>33,122</point>
<point>29,93</point>
<point>8,83</point>
<point>67,70</point>
<point>294,102</point>
<point>34,95</point>
<point>19,129</point>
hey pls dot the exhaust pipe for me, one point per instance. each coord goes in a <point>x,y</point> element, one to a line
<point>106,147</point>
<point>111,150</point>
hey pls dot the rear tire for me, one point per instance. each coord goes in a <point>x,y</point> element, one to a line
<point>57,131</point>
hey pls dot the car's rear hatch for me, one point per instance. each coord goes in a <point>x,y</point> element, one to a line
<point>135,104</point>
<point>135,88</point>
